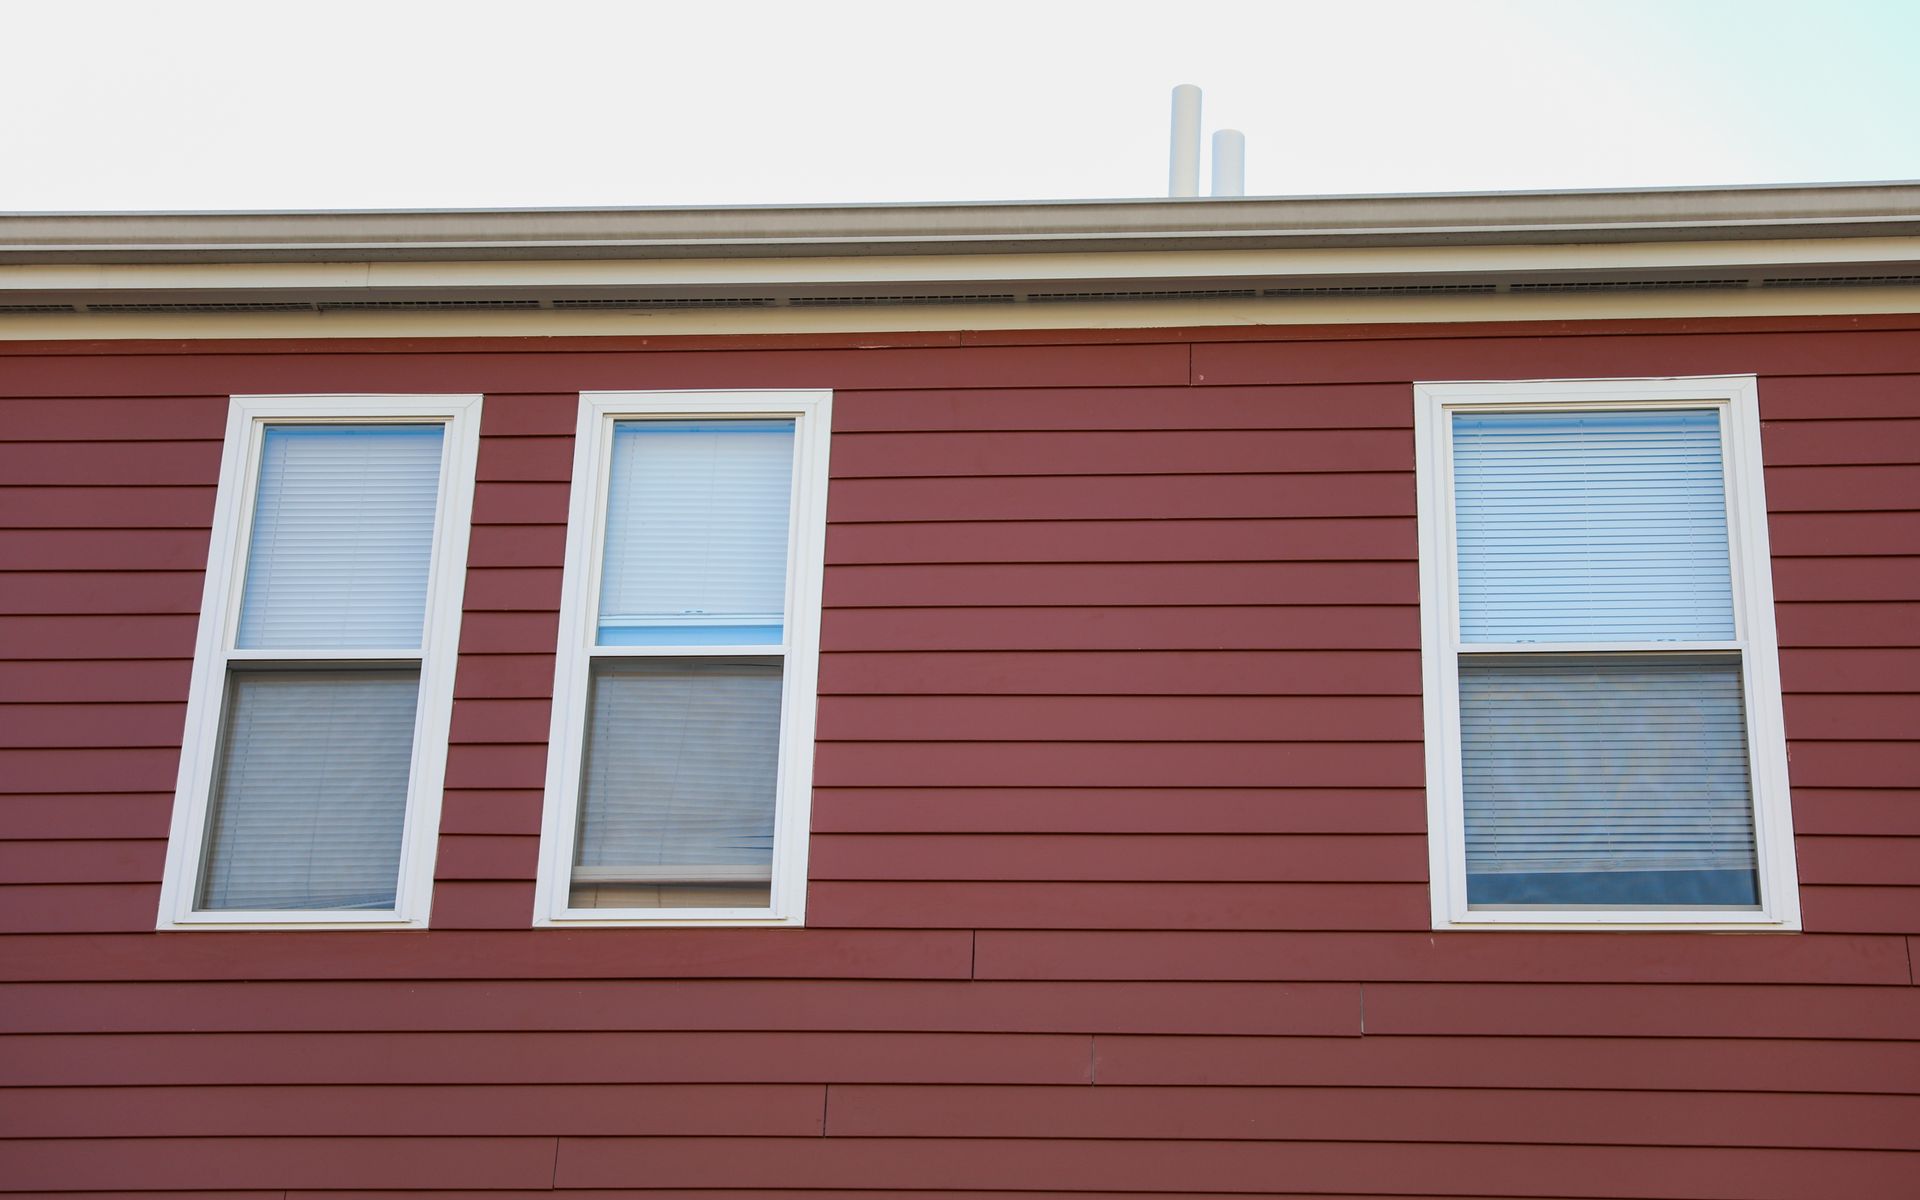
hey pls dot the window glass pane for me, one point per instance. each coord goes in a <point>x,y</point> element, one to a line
<point>1614,780</point>
<point>342,537</point>
<point>677,788</point>
<point>310,790</point>
<point>696,537</point>
<point>1591,527</point>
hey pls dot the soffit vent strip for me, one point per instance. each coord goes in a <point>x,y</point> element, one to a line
<point>880,301</point>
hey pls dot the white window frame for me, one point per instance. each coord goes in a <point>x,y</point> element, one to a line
<point>247,420</point>
<point>811,411</point>
<point>1736,399</point>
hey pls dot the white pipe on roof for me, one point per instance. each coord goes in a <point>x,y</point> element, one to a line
<point>1229,162</point>
<point>1183,158</point>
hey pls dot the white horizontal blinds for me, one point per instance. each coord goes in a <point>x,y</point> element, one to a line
<point>310,790</point>
<point>1591,527</point>
<point>677,786</point>
<point>342,538</point>
<point>696,534</point>
<point>1615,779</point>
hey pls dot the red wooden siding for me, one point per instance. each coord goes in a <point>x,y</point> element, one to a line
<point>1119,784</point>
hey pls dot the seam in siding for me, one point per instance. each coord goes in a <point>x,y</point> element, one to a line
<point>826,1098</point>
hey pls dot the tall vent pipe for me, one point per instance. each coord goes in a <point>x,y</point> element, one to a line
<point>1183,160</point>
<point>1229,162</point>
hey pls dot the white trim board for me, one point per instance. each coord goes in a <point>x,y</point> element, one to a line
<point>247,419</point>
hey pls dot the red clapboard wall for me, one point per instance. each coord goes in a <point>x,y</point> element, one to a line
<point>1119,854</point>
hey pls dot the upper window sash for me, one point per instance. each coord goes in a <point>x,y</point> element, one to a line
<point>217,652</point>
<point>582,642</point>
<point>1754,644</point>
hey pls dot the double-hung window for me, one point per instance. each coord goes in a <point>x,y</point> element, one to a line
<point>681,756</point>
<point>316,735</point>
<point>1604,740</point>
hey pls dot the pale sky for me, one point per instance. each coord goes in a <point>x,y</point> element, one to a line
<point>398,104</point>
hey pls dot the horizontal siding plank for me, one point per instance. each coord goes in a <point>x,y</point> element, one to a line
<point>1096,764</point>
<point>1150,672</point>
<point>536,1057</point>
<point>1173,540</point>
<point>228,1163</point>
<point>82,816</point>
<point>510,632</point>
<point>1831,443</point>
<point>482,904</point>
<point>42,592</point>
<point>74,725</point>
<point>762,1110</point>
<point>553,414</point>
<point>1129,584</point>
<point>1842,489</point>
<point>1852,717</point>
<point>1118,810</point>
<point>1872,669</point>
<point>1613,1173</point>
<point>113,508</point>
<point>464,856</point>
<point>96,861</point>
<point>1863,625</point>
<point>1827,534</point>
<point>1623,1010</point>
<point>80,771</point>
<point>1331,858</point>
<point>512,589</point>
<point>1170,628</point>
<point>1442,355</point>
<point>1150,408</point>
<point>103,549</point>
<point>1149,452</point>
<point>520,504</point>
<point>558,370</point>
<point>1168,497</point>
<point>104,463</point>
<point>1856,764</point>
<point>1469,1061</point>
<point>578,1002</point>
<point>1121,718</point>
<point>1833,397</point>
<point>525,460</point>
<point>491,811</point>
<point>159,418</point>
<point>510,720</point>
<point>1860,909</point>
<point>550,954</point>
<point>504,676</point>
<point>921,905</point>
<point>1375,1114</point>
<point>517,546</point>
<point>474,765</point>
<point>1888,813</point>
<point>111,637</point>
<point>84,682</point>
<point>79,907</point>
<point>1861,860</point>
<point>1418,956</point>
<point>1842,579</point>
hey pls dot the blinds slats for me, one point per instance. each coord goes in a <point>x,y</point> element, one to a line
<point>1591,527</point>
<point>310,790</point>
<point>696,536</point>
<point>679,774</point>
<point>1626,765</point>
<point>342,537</point>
